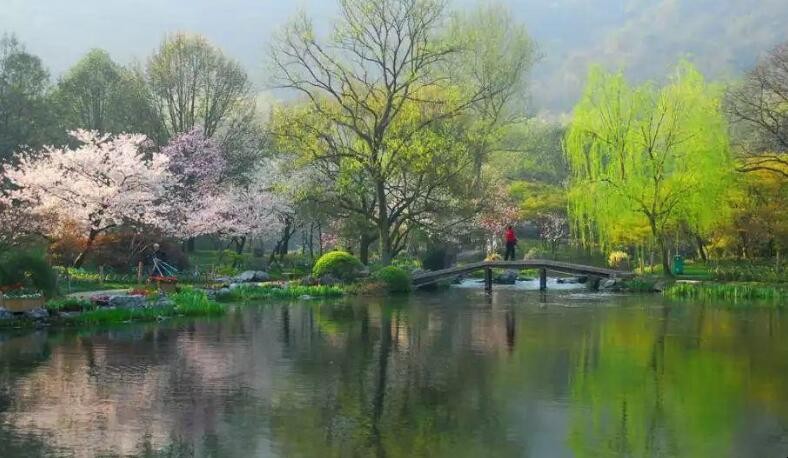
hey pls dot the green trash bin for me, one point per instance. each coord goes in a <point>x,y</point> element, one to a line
<point>678,265</point>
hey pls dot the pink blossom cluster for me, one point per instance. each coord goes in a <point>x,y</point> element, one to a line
<point>105,182</point>
<point>109,181</point>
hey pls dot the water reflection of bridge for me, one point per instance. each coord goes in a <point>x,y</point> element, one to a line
<point>543,265</point>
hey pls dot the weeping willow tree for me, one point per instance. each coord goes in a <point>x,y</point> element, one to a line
<point>647,160</point>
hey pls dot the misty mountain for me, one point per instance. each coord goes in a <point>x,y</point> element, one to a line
<point>643,37</point>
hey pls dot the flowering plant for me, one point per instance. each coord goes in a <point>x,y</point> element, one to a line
<point>140,292</point>
<point>9,288</point>
<point>22,293</point>
<point>100,299</point>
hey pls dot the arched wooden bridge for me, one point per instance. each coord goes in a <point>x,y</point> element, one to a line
<point>426,278</point>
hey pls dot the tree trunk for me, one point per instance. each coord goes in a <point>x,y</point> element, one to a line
<point>275,252</point>
<point>190,245</point>
<point>88,245</point>
<point>240,244</point>
<point>312,241</point>
<point>363,248</point>
<point>284,246</point>
<point>701,248</point>
<point>665,258</point>
<point>383,225</point>
<point>319,239</point>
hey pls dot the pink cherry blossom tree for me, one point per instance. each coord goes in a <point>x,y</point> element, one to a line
<point>103,183</point>
<point>196,160</point>
<point>553,228</point>
<point>199,165</point>
<point>493,220</point>
<point>238,210</point>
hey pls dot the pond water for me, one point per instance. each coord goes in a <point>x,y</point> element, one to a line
<point>453,373</point>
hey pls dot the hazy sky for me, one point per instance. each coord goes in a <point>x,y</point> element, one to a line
<point>645,37</point>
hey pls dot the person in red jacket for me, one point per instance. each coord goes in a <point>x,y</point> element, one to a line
<point>511,242</point>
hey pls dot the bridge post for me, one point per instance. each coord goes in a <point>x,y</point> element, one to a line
<point>543,279</point>
<point>488,280</point>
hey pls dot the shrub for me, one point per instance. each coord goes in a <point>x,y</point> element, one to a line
<point>30,270</point>
<point>339,264</point>
<point>397,280</point>
<point>493,257</point>
<point>617,259</point>
<point>749,272</point>
<point>69,304</point>
<point>434,258</point>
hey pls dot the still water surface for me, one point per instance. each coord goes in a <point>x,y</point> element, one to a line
<point>454,374</point>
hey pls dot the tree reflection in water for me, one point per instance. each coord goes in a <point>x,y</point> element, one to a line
<point>450,374</point>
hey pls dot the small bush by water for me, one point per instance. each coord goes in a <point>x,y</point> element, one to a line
<point>340,264</point>
<point>397,280</point>
<point>27,270</point>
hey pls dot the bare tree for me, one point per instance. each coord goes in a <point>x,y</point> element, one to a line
<point>757,107</point>
<point>375,87</point>
<point>194,84</point>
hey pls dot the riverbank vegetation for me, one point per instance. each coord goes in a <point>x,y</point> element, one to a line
<point>71,311</point>
<point>251,293</point>
<point>385,153</point>
<point>728,291</point>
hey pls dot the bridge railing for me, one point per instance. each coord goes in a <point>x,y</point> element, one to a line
<point>542,264</point>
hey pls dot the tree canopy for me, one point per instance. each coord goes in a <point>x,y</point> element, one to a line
<point>646,156</point>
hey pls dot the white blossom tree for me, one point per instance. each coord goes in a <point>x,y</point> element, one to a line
<point>105,182</point>
<point>237,211</point>
<point>199,165</point>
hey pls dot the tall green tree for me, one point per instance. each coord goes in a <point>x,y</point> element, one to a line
<point>381,102</point>
<point>25,119</point>
<point>194,84</point>
<point>647,156</point>
<point>497,52</point>
<point>98,94</point>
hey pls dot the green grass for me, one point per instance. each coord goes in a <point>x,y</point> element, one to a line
<point>87,286</point>
<point>190,302</point>
<point>248,293</point>
<point>68,304</point>
<point>640,285</point>
<point>727,291</point>
<point>187,303</point>
<point>729,270</point>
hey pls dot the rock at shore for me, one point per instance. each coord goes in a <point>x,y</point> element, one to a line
<point>611,285</point>
<point>5,314</point>
<point>251,276</point>
<point>507,278</point>
<point>37,314</point>
<point>127,302</point>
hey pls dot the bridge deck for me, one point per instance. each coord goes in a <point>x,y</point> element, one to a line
<point>426,278</point>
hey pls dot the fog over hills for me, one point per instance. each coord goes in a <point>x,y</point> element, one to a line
<point>644,37</point>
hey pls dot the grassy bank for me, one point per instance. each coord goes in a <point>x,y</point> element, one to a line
<point>248,293</point>
<point>732,291</point>
<point>187,303</point>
